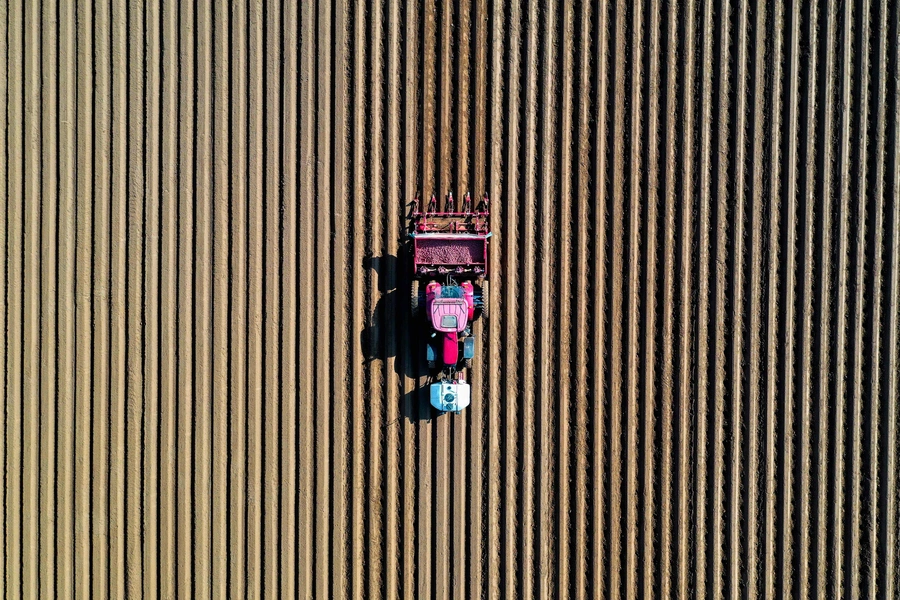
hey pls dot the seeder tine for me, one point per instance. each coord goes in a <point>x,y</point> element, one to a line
<point>432,205</point>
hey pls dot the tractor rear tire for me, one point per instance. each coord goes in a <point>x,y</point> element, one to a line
<point>484,299</point>
<point>414,299</point>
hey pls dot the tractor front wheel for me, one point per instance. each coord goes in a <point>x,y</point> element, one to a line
<point>414,299</point>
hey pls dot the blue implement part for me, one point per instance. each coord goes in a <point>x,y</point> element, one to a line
<point>430,354</point>
<point>452,291</point>
<point>469,347</point>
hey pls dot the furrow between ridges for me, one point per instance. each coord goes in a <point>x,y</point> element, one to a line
<point>508,419</point>
<point>547,250</point>
<point>168,290</point>
<point>361,419</point>
<point>648,321</point>
<point>704,285</point>
<point>152,306</point>
<point>580,30</point>
<point>83,285</point>
<point>14,364</point>
<point>685,330</point>
<point>773,298</point>
<point>289,542</point>
<point>66,342</point>
<point>527,461</point>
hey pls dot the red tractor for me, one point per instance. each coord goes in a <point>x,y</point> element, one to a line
<point>449,289</point>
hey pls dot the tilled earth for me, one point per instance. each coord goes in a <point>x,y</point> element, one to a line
<point>689,383</point>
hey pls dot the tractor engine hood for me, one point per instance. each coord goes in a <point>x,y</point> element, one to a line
<point>449,315</point>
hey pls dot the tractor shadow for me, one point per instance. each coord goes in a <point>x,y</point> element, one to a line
<point>389,333</point>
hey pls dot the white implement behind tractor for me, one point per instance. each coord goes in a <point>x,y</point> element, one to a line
<point>450,396</point>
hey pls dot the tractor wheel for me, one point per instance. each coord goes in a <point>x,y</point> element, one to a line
<point>468,363</point>
<point>432,364</point>
<point>414,299</point>
<point>481,299</point>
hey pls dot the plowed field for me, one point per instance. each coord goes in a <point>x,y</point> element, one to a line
<point>689,382</point>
